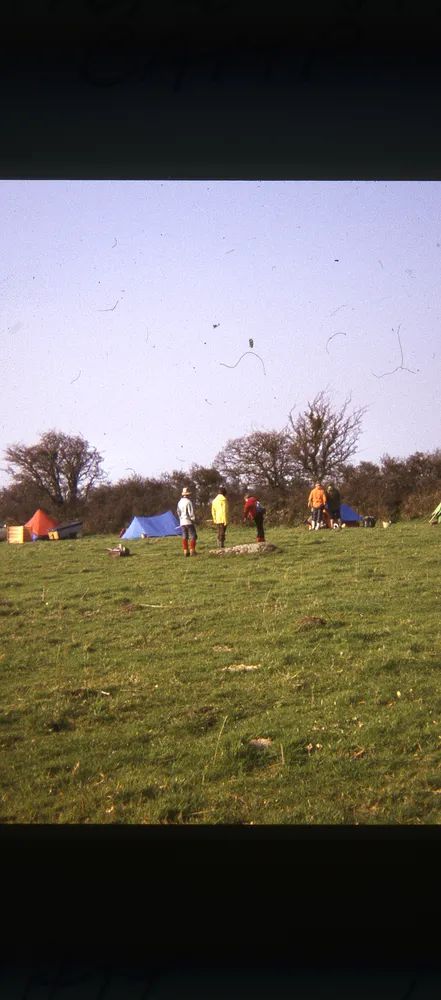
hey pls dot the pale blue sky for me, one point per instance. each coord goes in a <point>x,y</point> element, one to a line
<point>288,264</point>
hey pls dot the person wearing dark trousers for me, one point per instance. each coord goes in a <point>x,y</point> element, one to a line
<point>333,502</point>
<point>253,511</point>
<point>185,512</point>
<point>220,516</point>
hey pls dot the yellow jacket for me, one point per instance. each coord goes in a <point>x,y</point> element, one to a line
<point>317,498</point>
<point>220,510</point>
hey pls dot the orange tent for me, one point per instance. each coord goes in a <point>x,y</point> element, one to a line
<point>40,524</point>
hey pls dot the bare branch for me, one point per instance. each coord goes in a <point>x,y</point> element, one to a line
<point>263,457</point>
<point>62,468</point>
<point>323,439</point>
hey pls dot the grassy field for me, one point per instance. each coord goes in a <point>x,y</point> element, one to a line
<point>124,697</point>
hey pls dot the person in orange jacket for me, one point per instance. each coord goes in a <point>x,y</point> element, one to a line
<point>316,503</point>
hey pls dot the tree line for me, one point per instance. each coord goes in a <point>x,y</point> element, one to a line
<point>64,475</point>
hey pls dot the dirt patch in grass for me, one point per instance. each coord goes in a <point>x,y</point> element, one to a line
<point>62,724</point>
<point>85,693</point>
<point>309,621</point>
<point>201,719</point>
<point>255,753</point>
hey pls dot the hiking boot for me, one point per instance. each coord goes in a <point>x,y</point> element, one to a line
<point>194,553</point>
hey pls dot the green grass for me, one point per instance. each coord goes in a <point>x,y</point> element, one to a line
<point>114,710</point>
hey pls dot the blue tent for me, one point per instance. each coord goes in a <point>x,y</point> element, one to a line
<point>349,516</point>
<point>153,527</point>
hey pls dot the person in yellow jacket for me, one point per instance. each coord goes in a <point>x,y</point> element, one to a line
<point>220,515</point>
<point>316,503</point>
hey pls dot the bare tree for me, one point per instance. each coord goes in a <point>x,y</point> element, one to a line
<point>264,458</point>
<point>324,438</point>
<point>206,480</point>
<point>62,468</point>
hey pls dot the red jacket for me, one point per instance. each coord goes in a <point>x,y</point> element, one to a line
<point>249,510</point>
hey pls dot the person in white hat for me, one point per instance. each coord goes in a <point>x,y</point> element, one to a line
<point>185,512</point>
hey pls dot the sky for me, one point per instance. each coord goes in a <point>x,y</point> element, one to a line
<point>127,308</point>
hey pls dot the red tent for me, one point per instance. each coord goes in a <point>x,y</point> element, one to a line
<point>40,524</point>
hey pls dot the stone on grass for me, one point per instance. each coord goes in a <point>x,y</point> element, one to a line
<point>254,548</point>
<point>242,666</point>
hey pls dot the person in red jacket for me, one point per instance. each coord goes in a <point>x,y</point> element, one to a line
<point>316,503</point>
<point>253,511</point>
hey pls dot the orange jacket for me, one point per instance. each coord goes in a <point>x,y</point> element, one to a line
<point>317,497</point>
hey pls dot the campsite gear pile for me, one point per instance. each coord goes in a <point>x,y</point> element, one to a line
<point>119,550</point>
<point>69,530</point>
<point>42,528</point>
